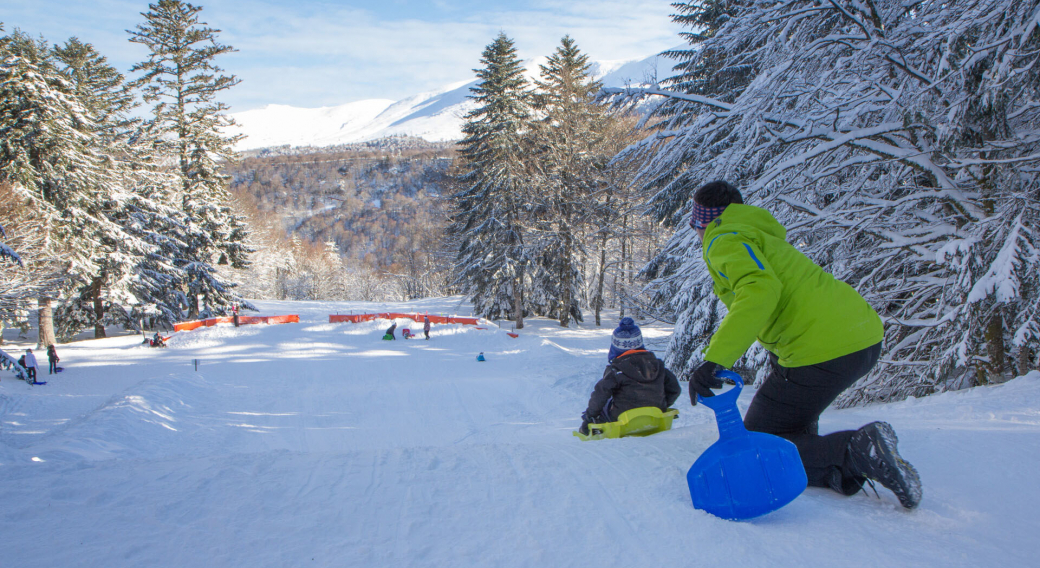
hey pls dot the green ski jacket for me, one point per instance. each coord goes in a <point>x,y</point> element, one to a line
<point>775,294</point>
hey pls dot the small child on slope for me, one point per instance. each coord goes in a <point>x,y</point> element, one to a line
<point>634,378</point>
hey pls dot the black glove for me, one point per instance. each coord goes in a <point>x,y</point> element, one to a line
<point>704,380</point>
<point>585,420</point>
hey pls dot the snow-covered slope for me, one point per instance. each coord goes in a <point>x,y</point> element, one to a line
<point>435,116</point>
<point>318,444</point>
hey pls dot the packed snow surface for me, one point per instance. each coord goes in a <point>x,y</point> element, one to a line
<point>318,444</point>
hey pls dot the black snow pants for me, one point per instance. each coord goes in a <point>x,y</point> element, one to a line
<point>789,404</point>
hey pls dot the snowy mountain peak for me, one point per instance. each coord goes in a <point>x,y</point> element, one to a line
<point>435,116</point>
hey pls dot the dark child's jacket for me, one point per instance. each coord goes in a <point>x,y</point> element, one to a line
<point>634,379</point>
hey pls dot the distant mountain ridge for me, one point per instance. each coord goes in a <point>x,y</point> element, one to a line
<point>436,116</point>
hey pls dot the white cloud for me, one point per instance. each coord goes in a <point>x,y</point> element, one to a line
<point>325,53</point>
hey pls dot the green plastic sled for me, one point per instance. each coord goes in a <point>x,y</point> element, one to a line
<point>636,422</point>
<point>387,337</point>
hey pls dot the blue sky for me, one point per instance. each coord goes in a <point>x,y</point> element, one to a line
<point>312,53</point>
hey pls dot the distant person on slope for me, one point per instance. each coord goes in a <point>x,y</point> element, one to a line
<point>390,332</point>
<point>634,378</point>
<point>52,359</point>
<point>30,364</point>
<point>822,337</point>
<point>426,327</point>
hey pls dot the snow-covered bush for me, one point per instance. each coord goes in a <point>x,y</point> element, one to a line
<point>897,142</point>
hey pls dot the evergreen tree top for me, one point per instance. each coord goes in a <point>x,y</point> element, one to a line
<point>98,85</point>
<point>502,74</point>
<point>566,77</point>
<point>180,63</point>
<point>703,17</point>
<point>180,76</point>
<point>493,128</point>
<point>34,51</point>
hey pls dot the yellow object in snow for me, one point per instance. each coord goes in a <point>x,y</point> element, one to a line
<point>636,422</point>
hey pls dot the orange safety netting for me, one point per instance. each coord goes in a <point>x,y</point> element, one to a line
<point>242,320</point>
<point>357,318</point>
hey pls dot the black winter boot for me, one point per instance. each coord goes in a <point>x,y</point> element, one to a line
<point>872,453</point>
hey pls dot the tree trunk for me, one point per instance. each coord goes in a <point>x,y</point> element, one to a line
<point>193,306</point>
<point>565,284</point>
<point>46,323</point>
<point>620,290</point>
<point>1025,359</point>
<point>995,370</point>
<point>597,303</point>
<point>565,307</point>
<point>518,303</point>
<point>99,308</point>
<point>631,272</point>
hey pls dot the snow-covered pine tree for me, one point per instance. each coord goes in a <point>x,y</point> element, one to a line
<point>724,69</point>
<point>571,148</point>
<point>491,208</point>
<point>154,286</point>
<point>899,147</point>
<point>101,89</point>
<point>180,76</point>
<point>49,156</point>
<point>108,297</point>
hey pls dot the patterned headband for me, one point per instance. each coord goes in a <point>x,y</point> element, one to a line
<point>701,215</point>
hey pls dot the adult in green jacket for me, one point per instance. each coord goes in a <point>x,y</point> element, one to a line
<point>822,337</point>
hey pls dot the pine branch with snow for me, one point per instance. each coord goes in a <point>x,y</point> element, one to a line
<point>898,147</point>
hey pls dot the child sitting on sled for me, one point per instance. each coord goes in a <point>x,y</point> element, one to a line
<point>634,378</point>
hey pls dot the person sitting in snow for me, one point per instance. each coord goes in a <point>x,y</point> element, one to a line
<point>158,341</point>
<point>390,332</point>
<point>634,378</point>
<point>822,337</point>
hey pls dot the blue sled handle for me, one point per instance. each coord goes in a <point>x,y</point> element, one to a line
<point>725,407</point>
<point>729,397</point>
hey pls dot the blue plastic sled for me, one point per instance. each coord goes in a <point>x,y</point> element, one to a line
<point>744,474</point>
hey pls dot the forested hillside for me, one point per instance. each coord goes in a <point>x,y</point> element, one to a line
<point>371,214</point>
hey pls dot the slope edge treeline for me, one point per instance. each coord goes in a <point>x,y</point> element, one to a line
<point>133,214</point>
